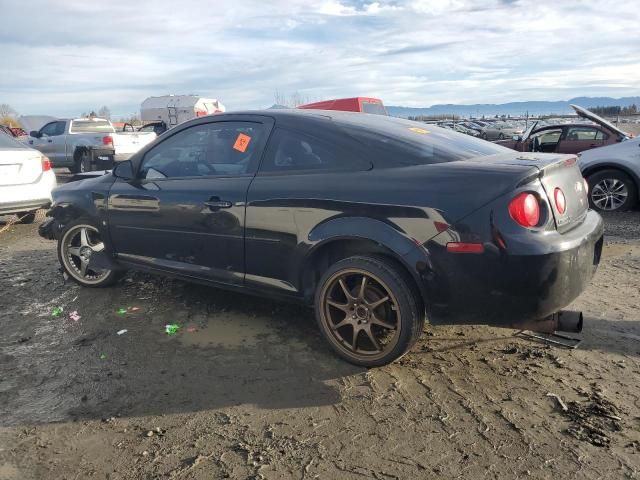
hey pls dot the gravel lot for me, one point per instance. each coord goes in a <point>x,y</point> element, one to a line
<point>247,388</point>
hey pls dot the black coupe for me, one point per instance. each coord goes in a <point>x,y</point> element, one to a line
<point>378,222</point>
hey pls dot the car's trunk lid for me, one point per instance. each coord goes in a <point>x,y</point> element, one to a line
<point>19,166</point>
<point>554,171</point>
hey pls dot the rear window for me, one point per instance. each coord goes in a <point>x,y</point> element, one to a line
<point>91,126</point>
<point>375,108</point>
<point>9,142</point>
<point>395,142</point>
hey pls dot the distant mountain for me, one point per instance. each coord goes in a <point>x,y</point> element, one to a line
<point>512,108</point>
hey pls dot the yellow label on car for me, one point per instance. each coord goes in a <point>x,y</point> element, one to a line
<point>419,130</point>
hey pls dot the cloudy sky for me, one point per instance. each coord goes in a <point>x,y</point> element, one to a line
<point>62,57</point>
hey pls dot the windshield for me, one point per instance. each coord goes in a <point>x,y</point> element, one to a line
<point>9,142</point>
<point>399,142</point>
<point>91,126</point>
<point>375,108</point>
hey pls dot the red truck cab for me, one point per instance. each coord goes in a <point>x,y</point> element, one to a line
<point>355,104</point>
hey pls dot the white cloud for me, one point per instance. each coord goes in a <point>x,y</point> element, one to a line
<point>413,53</point>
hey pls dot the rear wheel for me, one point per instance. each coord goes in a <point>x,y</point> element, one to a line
<point>82,162</point>
<point>367,310</point>
<point>26,217</point>
<point>76,245</point>
<point>611,190</point>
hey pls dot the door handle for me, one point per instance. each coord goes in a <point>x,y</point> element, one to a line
<point>49,141</point>
<point>215,204</point>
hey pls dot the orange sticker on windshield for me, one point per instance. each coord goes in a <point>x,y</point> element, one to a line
<point>242,142</point>
<point>422,131</point>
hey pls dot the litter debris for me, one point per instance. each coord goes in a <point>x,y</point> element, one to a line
<point>103,356</point>
<point>171,329</point>
<point>122,332</point>
<point>191,329</point>
<point>563,405</point>
<point>57,311</point>
<point>133,309</point>
<point>122,311</point>
<point>74,316</point>
<point>74,299</point>
<point>593,420</point>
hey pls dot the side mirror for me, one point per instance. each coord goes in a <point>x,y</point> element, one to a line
<point>34,134</point>
<point>516,138</point>
<point>124,170</point>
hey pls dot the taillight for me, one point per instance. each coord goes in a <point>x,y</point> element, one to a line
<point>108,140</point>
<point>586,185</point>
<point>561,201</point>
<point>46,164</point>
<point>525,210</point>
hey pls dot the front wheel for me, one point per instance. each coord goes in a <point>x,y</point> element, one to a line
<point>76,245</point>
<point>611,190</point>
<point>367,310</point>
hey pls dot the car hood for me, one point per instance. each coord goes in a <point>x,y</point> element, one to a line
<point>584,113</point>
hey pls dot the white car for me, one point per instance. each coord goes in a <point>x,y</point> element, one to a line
<point>26,180</point>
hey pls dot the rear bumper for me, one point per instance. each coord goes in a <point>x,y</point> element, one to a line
<point>28,197</point>
<point>24,206</point>
<point>497,288</point>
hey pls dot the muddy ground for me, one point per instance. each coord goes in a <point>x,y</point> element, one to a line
<point>247,388</point>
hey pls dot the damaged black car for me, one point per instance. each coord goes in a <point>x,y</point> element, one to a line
<point>379,223</point>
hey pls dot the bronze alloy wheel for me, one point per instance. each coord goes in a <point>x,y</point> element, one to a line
<point>361,313</point>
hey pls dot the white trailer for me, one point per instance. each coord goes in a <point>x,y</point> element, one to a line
<point>175,109</point>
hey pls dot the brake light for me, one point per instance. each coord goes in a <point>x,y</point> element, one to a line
<point>108,140</point>
<point>525,210</point>
<point>561,201</point>
<point>46,164</point>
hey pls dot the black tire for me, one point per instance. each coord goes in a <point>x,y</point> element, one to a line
<point>71,264</point>
<point>615,182</point>
<point>26,217</point>
<point>81,162</point>
<point>403,310</point>
<point>501,136</point>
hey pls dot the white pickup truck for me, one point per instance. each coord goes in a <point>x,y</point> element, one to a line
<point>85,144</point>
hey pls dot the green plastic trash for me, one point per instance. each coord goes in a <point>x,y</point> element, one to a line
<point>122,311</point>
<point>57,311</point>
<point>103,356</point>
<point>172,329</point>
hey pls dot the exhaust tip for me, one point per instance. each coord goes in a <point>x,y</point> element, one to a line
<point>570,321</point>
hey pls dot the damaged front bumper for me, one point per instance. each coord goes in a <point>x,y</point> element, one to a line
<point>48,229</point>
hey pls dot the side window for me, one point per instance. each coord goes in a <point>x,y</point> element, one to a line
<point>53,129</point>
<point>581,133</point>
<point>292,151</point>
<point>600,135</point>
<point>211,149</point>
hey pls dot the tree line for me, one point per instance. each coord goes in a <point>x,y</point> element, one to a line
<point>615,110</point>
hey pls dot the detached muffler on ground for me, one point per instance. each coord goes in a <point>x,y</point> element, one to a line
<point>562,321</point>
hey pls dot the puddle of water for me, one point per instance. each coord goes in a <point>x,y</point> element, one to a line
<point>228,330</point>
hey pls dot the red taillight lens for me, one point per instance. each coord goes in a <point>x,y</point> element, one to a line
<point>108,140</point>
<point>561,201</point>
<point>459,247</point>
<point>525,210</point>
<point>586,185</point>
<point>46,164</point>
